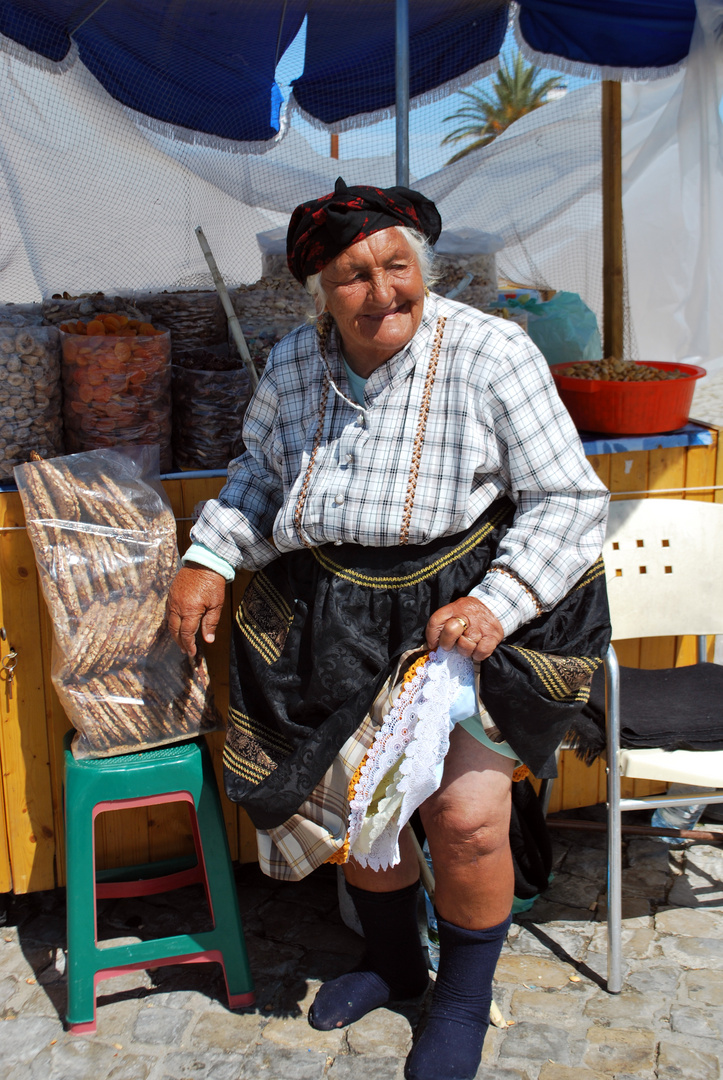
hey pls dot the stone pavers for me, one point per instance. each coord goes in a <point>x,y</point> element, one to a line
<point>173,1024</point>
<point>708,399</point>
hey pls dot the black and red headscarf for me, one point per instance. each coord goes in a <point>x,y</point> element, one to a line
<point>320,230</point>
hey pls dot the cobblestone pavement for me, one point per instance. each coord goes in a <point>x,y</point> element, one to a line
<point>172,1023</point>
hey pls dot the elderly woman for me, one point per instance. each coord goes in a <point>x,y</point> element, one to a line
<point>411,481</point>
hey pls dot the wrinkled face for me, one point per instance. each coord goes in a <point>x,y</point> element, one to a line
<point>375,294</point>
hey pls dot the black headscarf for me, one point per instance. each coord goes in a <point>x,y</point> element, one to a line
<point>321,229</point>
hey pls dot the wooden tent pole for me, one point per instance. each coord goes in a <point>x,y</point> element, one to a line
<point>612,220</point>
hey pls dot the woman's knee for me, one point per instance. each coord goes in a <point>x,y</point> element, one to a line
<point>457,830</point>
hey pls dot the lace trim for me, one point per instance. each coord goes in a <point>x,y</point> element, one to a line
<point>414,738</point>
<point>342,855</point>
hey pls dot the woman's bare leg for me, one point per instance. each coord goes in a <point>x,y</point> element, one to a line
<point>467,823</point>
<point>404,873</point>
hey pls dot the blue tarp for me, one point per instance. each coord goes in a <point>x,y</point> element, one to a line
<point>623,34</point>
<point>208,65</point>
<point>357,75</point>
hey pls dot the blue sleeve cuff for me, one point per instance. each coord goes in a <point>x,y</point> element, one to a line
<point>197,553</point>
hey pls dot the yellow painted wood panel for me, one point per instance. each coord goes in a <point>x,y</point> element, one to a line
<point>167,827</point>
<point>629,473</point>
<point>6,877</point>
<point>666,469</point>
<point>56,724</point>
<point>601,466</point>
<point>700,472</point>
<point>26,770</point>
<point>718,497</point>
<point>194,493</point>
<point>121,838</point>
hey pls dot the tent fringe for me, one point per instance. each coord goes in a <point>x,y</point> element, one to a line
<point>590,71</point>
<point>31,59</point>
<point>173,132</point>
<point>177,133</point>
<point>353,123</point>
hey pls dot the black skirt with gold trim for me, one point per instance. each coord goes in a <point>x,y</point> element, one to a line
<point>320,630</point>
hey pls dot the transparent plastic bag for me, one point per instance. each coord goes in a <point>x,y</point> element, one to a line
<point>30,395</point>
<point>211,390</point>
<point>563,328</point>
<point>195,317</point>
<point>57,309</point>
<point>104,538</point>
<point>117,391</point>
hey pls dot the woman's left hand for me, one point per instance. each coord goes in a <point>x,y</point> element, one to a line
<point>466,624</point>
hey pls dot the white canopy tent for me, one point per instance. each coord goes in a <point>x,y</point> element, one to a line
<point>90,200</point>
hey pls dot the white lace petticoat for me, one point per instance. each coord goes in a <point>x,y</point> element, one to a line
<point>405,763</point>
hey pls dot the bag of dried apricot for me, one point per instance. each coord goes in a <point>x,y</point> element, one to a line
<point>116,384</point>
<point>104,538</point>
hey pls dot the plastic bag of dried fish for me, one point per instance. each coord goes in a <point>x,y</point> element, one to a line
<point>211,390</point>
<point>30,395</point>
<point>104,538</point>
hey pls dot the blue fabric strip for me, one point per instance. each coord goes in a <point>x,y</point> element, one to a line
<point>691,435</point>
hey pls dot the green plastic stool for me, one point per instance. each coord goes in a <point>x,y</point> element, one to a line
<point>182,772</point>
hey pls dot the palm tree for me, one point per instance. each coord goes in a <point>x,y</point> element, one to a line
<point>515,92</point>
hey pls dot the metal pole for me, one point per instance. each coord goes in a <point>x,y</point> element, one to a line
<point>402,84</point>
<point>615,866</point>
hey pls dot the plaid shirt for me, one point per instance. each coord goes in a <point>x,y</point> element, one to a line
<point>495,426</point>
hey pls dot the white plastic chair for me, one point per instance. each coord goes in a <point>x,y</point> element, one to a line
<point>664,571</point>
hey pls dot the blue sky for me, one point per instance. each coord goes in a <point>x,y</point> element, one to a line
<point>426,124</point>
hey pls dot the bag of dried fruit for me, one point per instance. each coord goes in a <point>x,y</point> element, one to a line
<point>104,538</point>
<point>30,395</point>
<point>116,384</point>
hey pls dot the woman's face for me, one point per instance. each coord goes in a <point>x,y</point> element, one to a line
<point>375,294</point>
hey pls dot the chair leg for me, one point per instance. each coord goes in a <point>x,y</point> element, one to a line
<point>223,897</point>
<point>615,888</point>
<point>615,836</point>
<point>80,922</point>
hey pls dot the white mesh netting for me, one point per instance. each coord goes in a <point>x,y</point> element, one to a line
<point>92,199</point>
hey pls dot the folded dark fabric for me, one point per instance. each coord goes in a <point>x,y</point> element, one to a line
<point>671,708</point>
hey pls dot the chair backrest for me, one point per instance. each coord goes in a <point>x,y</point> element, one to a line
<point>664,567</point>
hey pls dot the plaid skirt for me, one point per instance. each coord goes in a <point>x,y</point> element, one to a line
<point>320,634</point>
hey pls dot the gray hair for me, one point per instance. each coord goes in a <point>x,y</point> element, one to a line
<point>423,253</point>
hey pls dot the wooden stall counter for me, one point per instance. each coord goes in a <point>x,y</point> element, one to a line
<point>32,723</point>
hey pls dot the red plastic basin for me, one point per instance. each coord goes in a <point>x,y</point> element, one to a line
<point>629,408</point>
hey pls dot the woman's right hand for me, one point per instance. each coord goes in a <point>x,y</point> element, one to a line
<point>195,600</point>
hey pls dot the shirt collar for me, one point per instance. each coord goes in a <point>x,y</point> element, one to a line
<point>395,369</point>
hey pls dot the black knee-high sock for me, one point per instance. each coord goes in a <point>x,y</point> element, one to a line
<point>393,964</point>
<point>450,1047</point>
